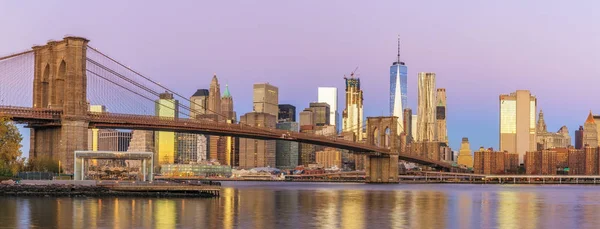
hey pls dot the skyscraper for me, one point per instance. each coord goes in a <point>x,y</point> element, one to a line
<point>287,151</point>
<point>413,125</point>
<point>257,153</point>
<point>464,156</point>
<point>227,105</point>
<point>329,95</point>
<point>398,88</point>
<point>408,124</point>
<point>266,99</point>
<point>442,132</point>
<point>517,123</point>
<point>579,138</point>
<point>426,124</point>
<point>214,98</point>
<point>353,114</point>
<point>166,106</point>
<point>590,133</point>
<point>321,113</point>
<point>198,103</point>
<point>287,113</point>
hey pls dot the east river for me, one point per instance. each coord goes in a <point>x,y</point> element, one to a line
<point>322,205</point>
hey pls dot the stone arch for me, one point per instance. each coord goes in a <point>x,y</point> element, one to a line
<point>376,137</point>
<point>45,84</point>
<point>387,134</point>
<point>59,84</point>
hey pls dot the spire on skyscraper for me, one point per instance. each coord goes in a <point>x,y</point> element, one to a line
<point>398,48</point>
<point>226,94</point>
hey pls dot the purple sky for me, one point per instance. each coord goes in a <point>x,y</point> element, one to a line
<point>478,49</point>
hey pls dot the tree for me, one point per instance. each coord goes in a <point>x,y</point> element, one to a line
<point>10,147</point>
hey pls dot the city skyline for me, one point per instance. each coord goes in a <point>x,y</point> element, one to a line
<point>470,53</point>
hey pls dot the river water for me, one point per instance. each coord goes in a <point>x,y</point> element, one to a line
<point>322,205</point>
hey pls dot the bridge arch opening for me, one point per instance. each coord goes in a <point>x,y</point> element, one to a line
<point>59,84</point>
<point>45,84</point>
<point>376,137</point>
<point>386,140</point>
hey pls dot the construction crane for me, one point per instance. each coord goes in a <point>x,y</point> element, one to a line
<point>352,73</point>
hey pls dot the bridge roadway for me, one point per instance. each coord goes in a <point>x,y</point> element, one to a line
<point>48,117</point>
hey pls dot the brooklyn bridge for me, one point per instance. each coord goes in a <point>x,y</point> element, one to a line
<point>49,89</point>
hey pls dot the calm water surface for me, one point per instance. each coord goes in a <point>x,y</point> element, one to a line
<point>319,205</point>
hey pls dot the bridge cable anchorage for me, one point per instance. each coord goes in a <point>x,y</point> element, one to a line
<point>163,87</point>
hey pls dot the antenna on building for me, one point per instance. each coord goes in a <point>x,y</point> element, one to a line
<point>398,48</point>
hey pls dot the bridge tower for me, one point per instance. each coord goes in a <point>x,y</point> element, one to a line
<point>383,132</point>
<point>60,83</point>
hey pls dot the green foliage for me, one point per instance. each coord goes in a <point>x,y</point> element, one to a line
<point>10,148</point>
<point>42,164</point>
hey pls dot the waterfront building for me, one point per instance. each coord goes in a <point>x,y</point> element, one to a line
<point>517,123</point>
<point>511,163</point>
<point>464,156</point>
<point>591,160</point>
<point>198,103</point>
<point>166,106</point>
<point>306,155</point>
<point>329,95</point>
<point>398,87</point>
<point>266,99</point>
<point>407,123</point>
<point>488,161</point>
<point>287,113</point>
<point>329,157</point>
<point>590,132</point>
<point>550,140</point>
<point>187,148</point>
<point>257,153</point>
<point>321,112</point>
<point>113,140</point>
<point>562,157</point>
<point>576,162</point>
<point>440,114</point>
<point>542,162</point>
<point>532,162</point>
<point>204,170</point>
<point>426,123</point>
<point>286,151</point>
<point>352,117</point>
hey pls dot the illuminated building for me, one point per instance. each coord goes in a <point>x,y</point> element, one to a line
<point>257,153</point>
<point>440,113</point>
<point>398,88</point>
<point>489,162</point>
<point>198,103</point>
<point>227,155</point>
<point>93,133</point>
<point>511,162</point>
<point>329,95</point>
<point>517,123</point>
<point>591,160</point>
<point>408,125</point>
<point>590,132</point>
<point>198,107</point>
<point>352,117</point>
<point>329,157</point>
<point>413,126</point>
<point>113,140</point>
<point>266,99</point>
<point>549,140</point>
<point>576,162</point>
<point>165,106</point>
<point>464,156</point>
<point>426,123</point>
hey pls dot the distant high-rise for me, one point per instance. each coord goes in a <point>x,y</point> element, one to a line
<point>321,113</point>
<point>550,140</point>
<point>590,132</point>
<point>287,113</point>
<point>413,126</point>
<point>464,156</point>
<point>198,103</point>
<point>442,132</point>
<point>426,124</point>
<point>353,114</point>
<point>398,88</point>
<point>329,95</point>
<point>257,153</point>
<point>287,151</point>
<point>214,97</point>
<point>227,105</point>
<point>579,138</point>
<point>517,123</point>
<point>266,99</point>
<point>113,140</point>
<point>166,106</point>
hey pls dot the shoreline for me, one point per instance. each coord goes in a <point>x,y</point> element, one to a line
<point>59,190</point>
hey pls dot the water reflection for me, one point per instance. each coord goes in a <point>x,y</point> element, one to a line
<point>270,205</point>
